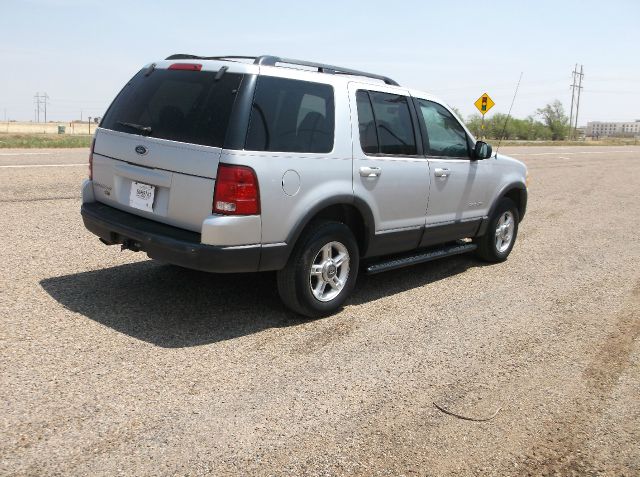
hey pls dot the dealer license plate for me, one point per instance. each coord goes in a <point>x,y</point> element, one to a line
<point>141,196</point>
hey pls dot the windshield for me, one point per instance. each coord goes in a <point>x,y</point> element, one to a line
<point>179,105</point>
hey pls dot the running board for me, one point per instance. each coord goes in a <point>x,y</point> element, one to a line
<point>416,257</point>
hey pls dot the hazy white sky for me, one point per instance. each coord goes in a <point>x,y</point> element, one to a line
<point>81,52</point>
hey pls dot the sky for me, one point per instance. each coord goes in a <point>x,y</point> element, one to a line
<point>81,52</point>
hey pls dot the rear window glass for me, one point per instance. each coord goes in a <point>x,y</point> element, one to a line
<point>366,124</point>
<point>385,125</point>
<point>291,116</point>
<point>393,121</point>
<point>179,105</point>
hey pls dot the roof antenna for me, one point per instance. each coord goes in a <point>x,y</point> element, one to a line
<point>504,128</point>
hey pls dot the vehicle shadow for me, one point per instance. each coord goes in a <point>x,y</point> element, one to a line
<point>173,307</point>
<point>374,287</point>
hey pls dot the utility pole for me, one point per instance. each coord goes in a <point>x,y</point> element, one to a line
<point>46,100</point>
<point>573,91</point>
<point>36,100</point>
<point>41,101</point>
<point>581,74</point>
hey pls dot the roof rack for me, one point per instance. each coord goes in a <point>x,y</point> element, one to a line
<point>268,60</point>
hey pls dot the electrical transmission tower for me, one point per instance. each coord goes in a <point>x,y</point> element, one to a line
<point>41,101</point>
<point>577,76</point>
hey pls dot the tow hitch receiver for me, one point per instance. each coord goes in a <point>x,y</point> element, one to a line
<point>132,245</point>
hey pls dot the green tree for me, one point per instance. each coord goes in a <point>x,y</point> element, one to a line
<point>555,119</point>
<point>473,123</point>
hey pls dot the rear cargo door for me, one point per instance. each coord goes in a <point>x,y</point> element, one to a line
<point>157,149</point>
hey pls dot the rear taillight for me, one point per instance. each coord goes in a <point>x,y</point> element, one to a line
<point>236,191</point>
<point>93,144</point>
<point>185,66</point>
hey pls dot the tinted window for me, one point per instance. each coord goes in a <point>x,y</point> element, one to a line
<point>393,124</point>
<point>185,106</point>
<point>366,124</point>
<point>446,135</point>
<point>291,116</point>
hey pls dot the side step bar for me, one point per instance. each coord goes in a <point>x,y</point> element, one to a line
<point>416,257</point>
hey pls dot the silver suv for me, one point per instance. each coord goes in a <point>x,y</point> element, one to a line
<point>243,164</point>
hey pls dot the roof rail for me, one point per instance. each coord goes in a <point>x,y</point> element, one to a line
<point>268,60</point>
<point>322,68</point>
<point>183,56</point>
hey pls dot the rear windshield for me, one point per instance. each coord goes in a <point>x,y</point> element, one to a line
<point>179,105</point>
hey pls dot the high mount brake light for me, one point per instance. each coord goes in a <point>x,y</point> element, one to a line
<point>236,191</point>
<point>186,66</point>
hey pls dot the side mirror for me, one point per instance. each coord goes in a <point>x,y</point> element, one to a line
<point>482,150</point>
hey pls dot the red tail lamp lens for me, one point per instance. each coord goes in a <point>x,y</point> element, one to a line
<point>236,191</point>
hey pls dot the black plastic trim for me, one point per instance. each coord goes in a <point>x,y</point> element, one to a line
<point>417,130</point>
<point>240,114</point>
<point>277,259</point>
<point>165,242</point>
<point>274,257</point>
<point>393,242</point>
<point>420,256</point>
<point>519,186</point>
<point>447,232</point>
<point>524,196</point>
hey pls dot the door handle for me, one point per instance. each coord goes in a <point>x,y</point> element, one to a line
<point>370,171</point>
<point>442,172</point>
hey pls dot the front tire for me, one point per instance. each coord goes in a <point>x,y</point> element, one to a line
<point>496,244</point>
<point>321,271</point>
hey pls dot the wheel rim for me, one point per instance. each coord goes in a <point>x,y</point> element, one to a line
<point>329,271</point>
<point>504,231</point>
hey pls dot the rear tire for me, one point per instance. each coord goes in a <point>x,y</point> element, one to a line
<point>496,244</point>
<point>321,271</point>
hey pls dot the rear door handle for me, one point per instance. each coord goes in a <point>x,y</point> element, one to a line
<point>370,171</point>
<point>442,172</point>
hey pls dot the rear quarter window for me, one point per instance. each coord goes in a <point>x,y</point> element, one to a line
<point>185,106</point>
<point>291,116</point>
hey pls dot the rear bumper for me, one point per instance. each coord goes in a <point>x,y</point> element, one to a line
<point>167,243</point>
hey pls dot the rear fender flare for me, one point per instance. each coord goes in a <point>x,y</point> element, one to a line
<point>359,204</point>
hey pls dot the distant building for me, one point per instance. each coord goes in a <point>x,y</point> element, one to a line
<point>602,129</point>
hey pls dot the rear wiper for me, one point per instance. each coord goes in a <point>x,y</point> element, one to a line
<point>145,130</point>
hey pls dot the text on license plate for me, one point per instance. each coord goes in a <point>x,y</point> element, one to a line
<point>142,196</point>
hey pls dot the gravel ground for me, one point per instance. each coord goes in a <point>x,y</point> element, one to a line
<point>114,364</point>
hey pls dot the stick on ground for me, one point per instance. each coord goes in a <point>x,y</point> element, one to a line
<point>475,419</point>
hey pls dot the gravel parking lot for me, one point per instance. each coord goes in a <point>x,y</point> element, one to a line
<point>114,364</point>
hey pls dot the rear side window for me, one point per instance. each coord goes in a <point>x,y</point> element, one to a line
<point>185,106</point>
<point>446,136</point>
<point>291,116</point>
<point>366,124</point>
<point>393,131</point>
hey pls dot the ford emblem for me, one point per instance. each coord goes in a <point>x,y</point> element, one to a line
<point>141,150</point>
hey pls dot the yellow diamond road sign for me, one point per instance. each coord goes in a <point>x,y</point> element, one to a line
<point>484,104</point>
